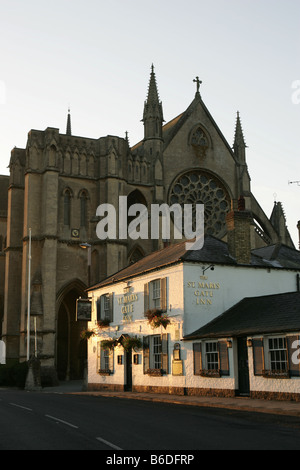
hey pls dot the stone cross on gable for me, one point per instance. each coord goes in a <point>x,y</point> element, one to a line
<point>199,82</point>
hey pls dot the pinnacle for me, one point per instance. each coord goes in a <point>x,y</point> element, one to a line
<point>239,135</point>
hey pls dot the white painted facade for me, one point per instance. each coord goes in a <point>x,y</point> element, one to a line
<point>230,284</point>
<point>193,299</point>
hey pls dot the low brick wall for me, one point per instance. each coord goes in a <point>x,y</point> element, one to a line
<point>179,391</point>
<point>210,392</point>
<point>105,387</point>
<point>284,396</point>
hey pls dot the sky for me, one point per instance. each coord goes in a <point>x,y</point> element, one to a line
<point>95,56</point>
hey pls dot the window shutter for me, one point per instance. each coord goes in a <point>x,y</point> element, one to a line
<point>197,349</point>
<point>163,294</point>
<point>111,307</point>
<point>146,348</point>
<point>294,367</point>
<point>223,357</point>
<point>99,309</point>
<point>165,353</point>
<point>102,311</point>
<point>146,297</point>
<point>102,360</point>
<point>258,356</point>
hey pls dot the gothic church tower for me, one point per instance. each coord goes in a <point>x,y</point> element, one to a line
<point>58,181</point>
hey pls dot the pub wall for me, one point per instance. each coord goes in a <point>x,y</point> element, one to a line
<point>208,296</point>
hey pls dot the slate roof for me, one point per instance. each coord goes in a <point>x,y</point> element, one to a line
<point>214,251</point>
<point>280,255</point>
<point>255,315</point>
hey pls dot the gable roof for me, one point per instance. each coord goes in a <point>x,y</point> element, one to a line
<point>173,127</point>
<point>255,315</point>
<point>214,251</point>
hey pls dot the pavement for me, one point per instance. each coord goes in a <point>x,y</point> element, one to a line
<point>287,408</point>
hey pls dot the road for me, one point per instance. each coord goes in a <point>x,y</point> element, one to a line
<point>49,421</point>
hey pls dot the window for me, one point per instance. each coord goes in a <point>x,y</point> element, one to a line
<point>105,308</point>
<point>155,357</point>
<point>83,208</point>
<point>67,207</point>
<point>273,357</point>
<point>156,354</point>
<point>212,356</point>
<point>105,360</point>
<point>155,295</point>
<point>278,354</point>
<point>82,211</point>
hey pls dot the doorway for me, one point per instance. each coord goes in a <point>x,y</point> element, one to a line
<point>128,371</point>
<point>243,366</point>
<point>71,350</point>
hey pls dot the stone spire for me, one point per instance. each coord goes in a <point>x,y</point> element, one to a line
<point>278,220</point>
<point>153,112</point>
<point>68,131</point>
<point>239,146</point>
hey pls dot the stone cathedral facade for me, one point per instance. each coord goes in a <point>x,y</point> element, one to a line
<point>55,186</point>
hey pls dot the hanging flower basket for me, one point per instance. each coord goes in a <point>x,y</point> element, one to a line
<point>157,318</point>
<point>87,334</point>
<point>131,342</point>
<point>103,324</point>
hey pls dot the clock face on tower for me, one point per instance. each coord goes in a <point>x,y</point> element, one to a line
<point>200,187</point>
<point>75,233</point>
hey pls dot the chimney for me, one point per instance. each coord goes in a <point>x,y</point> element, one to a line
<point>238,231</point>
<point>298,227</point>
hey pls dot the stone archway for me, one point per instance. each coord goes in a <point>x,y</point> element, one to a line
<point>71,350</point>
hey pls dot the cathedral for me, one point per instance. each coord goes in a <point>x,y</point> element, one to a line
<point>55,186</point>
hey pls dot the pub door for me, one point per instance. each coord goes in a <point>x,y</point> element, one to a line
<point>128,371</point>
<point>244,380</point>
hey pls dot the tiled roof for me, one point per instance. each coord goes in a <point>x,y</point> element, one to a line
<point>255,315</point>
<point>214,251</point>
<point>279,254</point>
<point>155,260</point>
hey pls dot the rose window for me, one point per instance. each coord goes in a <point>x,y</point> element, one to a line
<point>197,187</point>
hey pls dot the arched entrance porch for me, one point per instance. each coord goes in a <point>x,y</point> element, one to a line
<point>71,350</point>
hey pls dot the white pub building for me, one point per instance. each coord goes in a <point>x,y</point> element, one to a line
<point>220,321</point>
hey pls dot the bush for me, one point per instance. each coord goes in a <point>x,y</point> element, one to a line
<point>13,375</point>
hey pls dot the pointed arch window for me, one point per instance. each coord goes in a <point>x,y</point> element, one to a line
<point>67,207</point>
<point>83,197</point>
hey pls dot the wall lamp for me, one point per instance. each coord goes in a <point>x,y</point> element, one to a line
<point>211,267</point>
